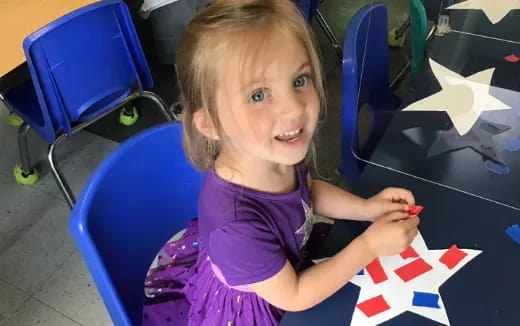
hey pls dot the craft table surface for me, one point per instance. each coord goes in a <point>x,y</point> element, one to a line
<point>500,18</point>
<point>463,169</point>
<point>465,203</point>
<point>484,292</point>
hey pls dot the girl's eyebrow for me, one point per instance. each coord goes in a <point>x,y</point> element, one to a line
<point>303,66</point>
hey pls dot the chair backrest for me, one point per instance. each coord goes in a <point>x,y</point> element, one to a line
<point>140,196</point>
<point>418,31</point>
<point>85,62</point>
<point>308,8</point>
<point>365,79</point>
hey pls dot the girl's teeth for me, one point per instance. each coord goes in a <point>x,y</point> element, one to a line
<point>290,133</point>
<point>289,136</point>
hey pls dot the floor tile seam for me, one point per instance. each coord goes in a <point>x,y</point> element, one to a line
<point>51,274</point>
<point>57,311</point>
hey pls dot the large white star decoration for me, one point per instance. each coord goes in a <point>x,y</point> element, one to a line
<point>495,10</point>
<point>307,226</point>
<point>407,282</point>
<point>463,98</point>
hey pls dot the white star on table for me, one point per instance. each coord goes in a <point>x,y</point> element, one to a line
<point>480,139</point>
<point>399,295</point>
<point>495,10</point>
<point>463,98</point>
<point>307,226</point>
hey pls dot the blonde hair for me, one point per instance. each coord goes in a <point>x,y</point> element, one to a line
<point>228,25</point>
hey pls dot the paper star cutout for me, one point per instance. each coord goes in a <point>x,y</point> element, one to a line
<point>307,226</point>
<point>463,99</point>
<point>479,139</point>
<point>494,10</point>
<point>399,295</point>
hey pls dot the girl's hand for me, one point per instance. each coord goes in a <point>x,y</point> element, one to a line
<point>397,195</point>
<point>387,201</point>
<point>391,234</point>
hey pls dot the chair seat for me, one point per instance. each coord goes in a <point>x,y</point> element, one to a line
<point>102,103</point>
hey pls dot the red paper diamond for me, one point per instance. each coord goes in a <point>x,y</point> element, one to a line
<point>452,257</point>
<point>412,270</point>
<point>512,58</point>
<point>409,253</point>
<point>414,210</point>
<point>373,306</point>
<point>376,271</point>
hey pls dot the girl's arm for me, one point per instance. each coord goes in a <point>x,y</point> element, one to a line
<point>292,292</point>
<point>334,202</point>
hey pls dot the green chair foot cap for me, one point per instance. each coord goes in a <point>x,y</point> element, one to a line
<point>394,40</point>
<point>14,120</point>
<point>25,179</point>
<point>128,118</point>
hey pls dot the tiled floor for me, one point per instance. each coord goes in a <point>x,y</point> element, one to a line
<point>43,280</point>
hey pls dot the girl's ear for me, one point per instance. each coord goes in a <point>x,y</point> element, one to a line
<point>204,124</point>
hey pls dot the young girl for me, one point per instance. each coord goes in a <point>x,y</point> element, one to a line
<point>251,88</point>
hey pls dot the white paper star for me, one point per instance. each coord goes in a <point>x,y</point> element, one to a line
<point>495,10</point>
<point>463,99</point>
<point>399,294</point>
<point>307,226</point>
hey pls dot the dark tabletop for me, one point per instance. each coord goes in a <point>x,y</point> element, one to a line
<point>411,134</point>
<point>465,203</point>
<point>476,21</point>
<point>484,292</point>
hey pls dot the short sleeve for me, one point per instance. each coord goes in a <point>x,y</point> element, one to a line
<point>246,252</point>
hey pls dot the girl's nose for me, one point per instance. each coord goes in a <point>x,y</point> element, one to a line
<point>293,106</point>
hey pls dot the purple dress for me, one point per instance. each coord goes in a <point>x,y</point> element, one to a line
<point>242,236</point>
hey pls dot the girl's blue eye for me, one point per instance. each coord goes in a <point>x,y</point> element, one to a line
<point>300,81</point>
<point>258,96</point>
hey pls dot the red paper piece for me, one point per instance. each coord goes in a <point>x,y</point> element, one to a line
<point>373,306</point>
<point>409,253</point>
<point>512,58</point>
<point>412,270</point>
<point>376,271</point>
<point>414,210</point>
<point>452,257</point>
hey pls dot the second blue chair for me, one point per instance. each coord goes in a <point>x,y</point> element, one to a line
<point>141,195</point>
<point>83,66</point>
<point>365,83</point>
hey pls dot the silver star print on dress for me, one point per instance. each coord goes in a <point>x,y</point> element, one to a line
<point>306,227</point>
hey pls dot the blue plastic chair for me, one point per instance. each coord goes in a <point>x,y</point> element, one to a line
<point>134,202</point>
<point>365,82</point>
<point>83,66</point>
<point>308,8</point>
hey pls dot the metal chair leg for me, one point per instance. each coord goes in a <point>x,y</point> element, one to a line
<point>23,148</point>
<point>330,35</point>
<point>58,175</point>
<point>406,68</point>
<point>403,28</point>
<point>159,102</point>
<point>55,169</point>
